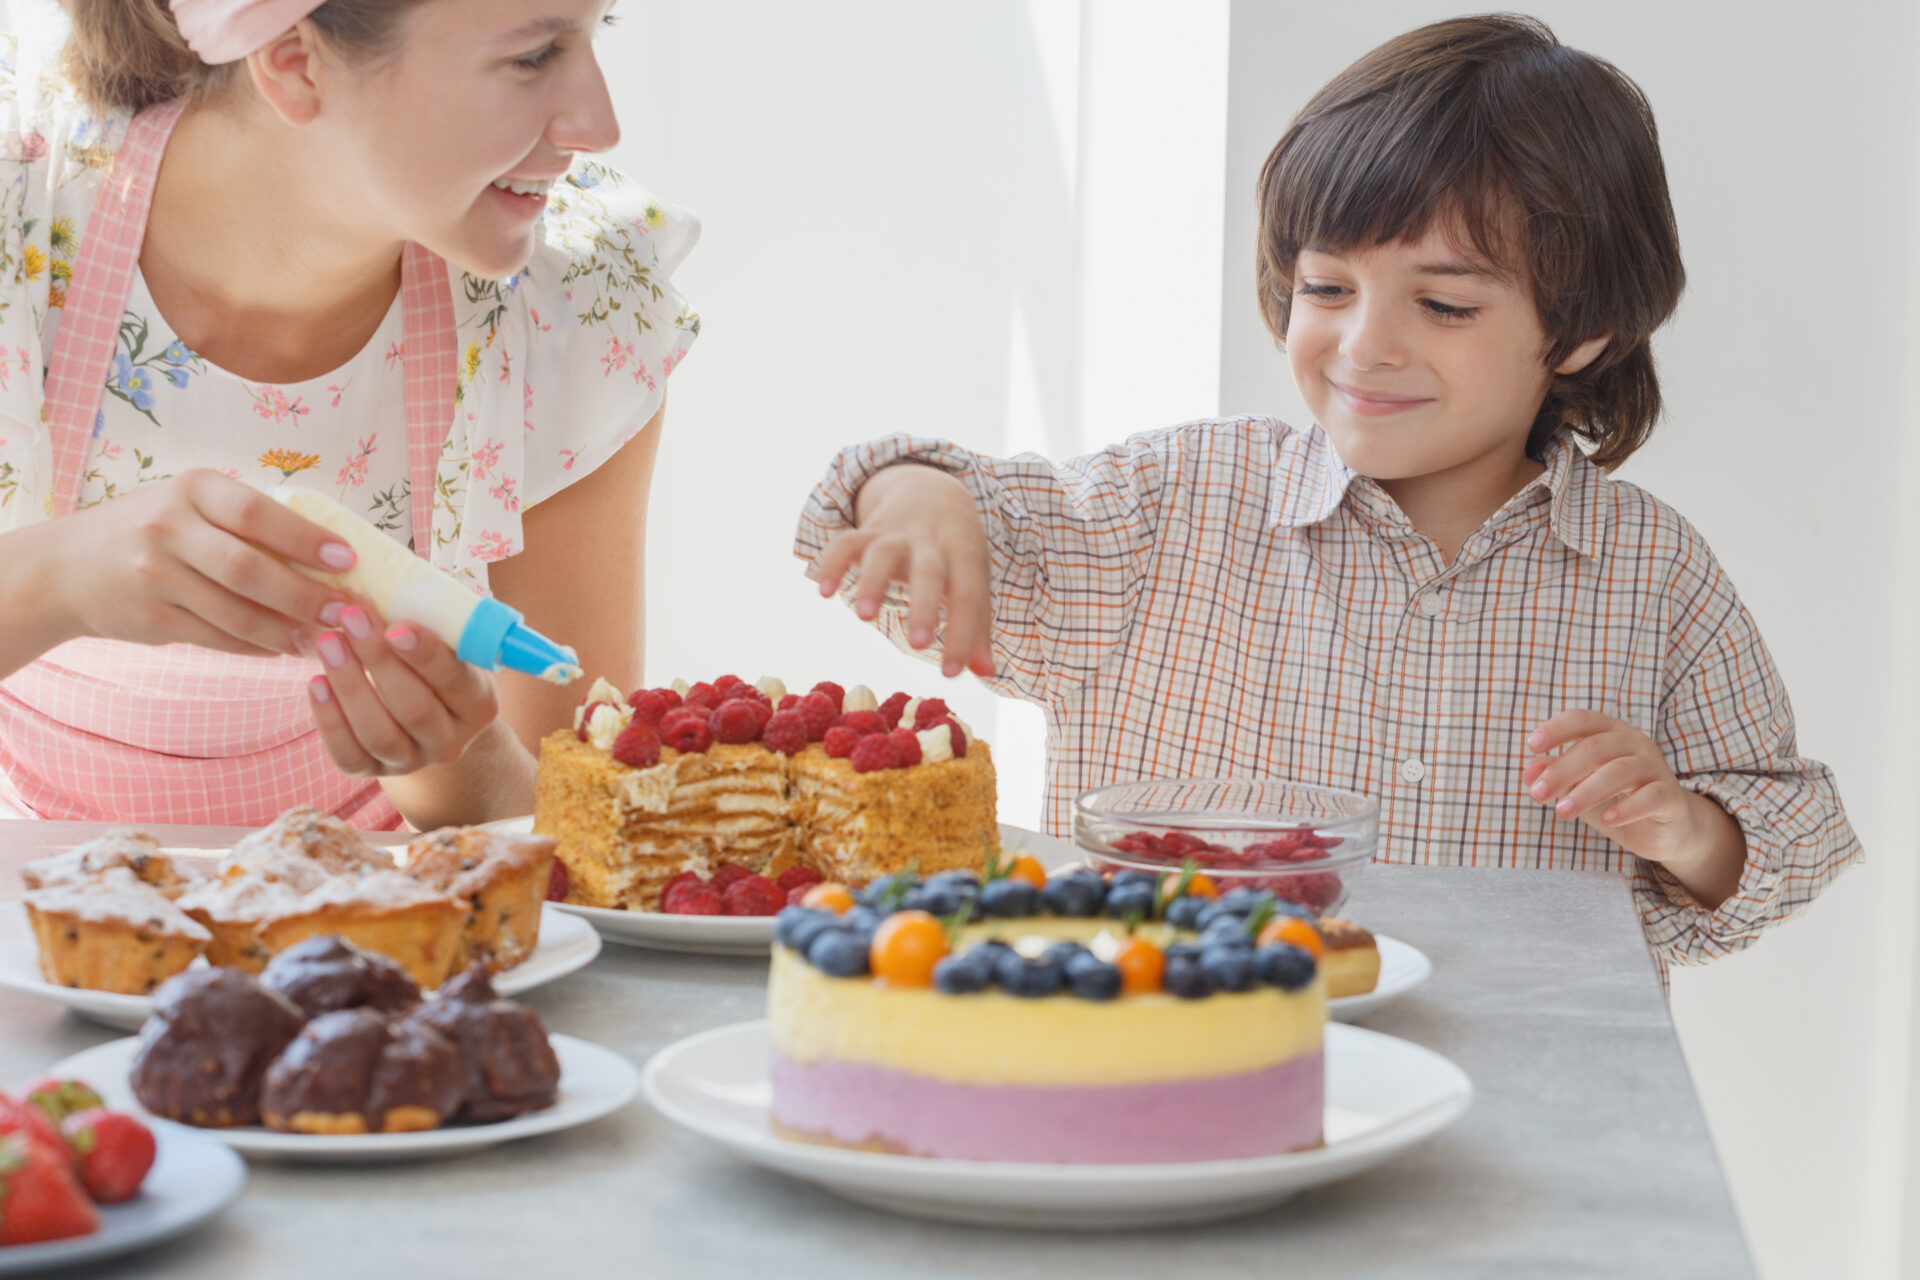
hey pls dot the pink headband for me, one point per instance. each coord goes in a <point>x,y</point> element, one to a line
<point>228,30</point>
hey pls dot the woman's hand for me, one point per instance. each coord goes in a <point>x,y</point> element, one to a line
<point>394,699</point>
<point>192,560</point>
<point>917,526</point>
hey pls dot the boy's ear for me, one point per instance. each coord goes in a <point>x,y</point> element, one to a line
<point>1583,355</point>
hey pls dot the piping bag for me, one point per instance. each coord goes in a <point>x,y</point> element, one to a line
<point>402,587</point>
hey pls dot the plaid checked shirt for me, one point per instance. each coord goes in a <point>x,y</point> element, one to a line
<point>1227,598</point>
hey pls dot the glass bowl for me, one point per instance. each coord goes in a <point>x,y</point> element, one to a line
<point>1305,843</point>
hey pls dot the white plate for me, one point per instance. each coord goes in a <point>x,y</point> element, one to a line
<point>1402,968</point>
<point>593,1082</point>
<point>193,1178</point>
<point>746,935</point>
<point>1383,1097</point>
<point>565,945</point>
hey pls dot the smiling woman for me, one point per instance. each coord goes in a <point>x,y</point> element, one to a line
<point>236,272</point>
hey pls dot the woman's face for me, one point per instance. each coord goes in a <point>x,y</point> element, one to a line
<point>452,140</point>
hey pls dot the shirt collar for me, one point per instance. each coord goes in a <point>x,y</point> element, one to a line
<point>1311,482</point>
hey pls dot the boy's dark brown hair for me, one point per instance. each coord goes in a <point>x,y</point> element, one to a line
<point>1546,158</point>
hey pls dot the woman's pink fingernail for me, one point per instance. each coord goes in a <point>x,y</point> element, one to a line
<point>333,650</point>
<point>336,555</point>
<point>330,613</point>
<point>402,638</point>
<point>355,620</point>
<point>320,689</point>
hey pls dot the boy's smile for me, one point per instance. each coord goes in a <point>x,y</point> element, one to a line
<point>1424,365</point>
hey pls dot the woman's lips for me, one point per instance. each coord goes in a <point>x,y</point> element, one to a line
<point>1377,404</point>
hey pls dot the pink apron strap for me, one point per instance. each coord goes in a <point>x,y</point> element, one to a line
<point>432,364</point>
<point>97,297</point>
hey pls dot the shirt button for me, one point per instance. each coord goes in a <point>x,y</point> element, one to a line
<point>1433,604</point>
<point>1413,770</point>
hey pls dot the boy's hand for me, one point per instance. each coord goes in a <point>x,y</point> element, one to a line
<point>917,526</point>
<point>1612,777</point>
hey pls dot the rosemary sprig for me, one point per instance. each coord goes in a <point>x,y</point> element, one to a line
<point>1188,870</point>
<point>1260,916</point>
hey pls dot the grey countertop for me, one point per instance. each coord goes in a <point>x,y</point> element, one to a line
<point>1585,1152</point>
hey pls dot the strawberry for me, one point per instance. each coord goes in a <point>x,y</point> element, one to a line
<point>57,1099</point>
<point>30,1123</point>
<point>40,1199</point>
<point>115,1152</point>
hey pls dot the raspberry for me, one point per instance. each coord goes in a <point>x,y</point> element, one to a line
<point>906,747</point>
<point>762,711</point>
<point>695,900</point>
<point>753,896</point>
<point>959,737</point>
<point>864,722</point>
<point>558,882</point>
<point>1181,844</point>
<point>672,697</point>
<point>726,873</point>
<point>795,894</point>
<point>648,706</point>
<point>840,741</point>
<point>586,718</point>
<point>929,713</point>
<point>798,877</point>
<point>819,712</point>
<point>835,694</point>
<point>872,752</point>
<point>725,685</point>
<point>734,722</point>
<point>789,702</point>
<point>893,708</point>
<point>638,746</point>
<point>786,733</point>
<point>702,695</point>
<point>1139,842</point>
<point>686,732</point>
<point>681,881</point>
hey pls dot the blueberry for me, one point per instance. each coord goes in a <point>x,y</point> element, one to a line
<point>1287,967</point>
<point>1190,950</point>
<point>957,877</point>
<point>792,918</point>
<point>1225,932</point>
<point>839,953</point>
<point>963,974</point>
<point>1124,900</point>
<point>872,894</point>
<point>989,953</point>
<point>935,899</point>
<point>1245,900</point>
<point>862,918</point>
<point>1282,907</point>
<point>802,935</point>
<point>1187,978</point>
<point>1077,893</point>
<point>1093,979</point>
<point>1184,913</point>
<point>1146,878</point>
<point>1010,898</point>
<point>1030,978</point>
<point>1218,911</point>
<point>1229,968</point>
<point>1063,953</point>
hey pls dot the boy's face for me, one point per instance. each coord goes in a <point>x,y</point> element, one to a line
<point>1416,358</point>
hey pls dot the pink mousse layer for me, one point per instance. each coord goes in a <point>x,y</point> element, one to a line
<point>1259,1113</point>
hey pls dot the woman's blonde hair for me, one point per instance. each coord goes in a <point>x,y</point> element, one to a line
<point>128,54</point>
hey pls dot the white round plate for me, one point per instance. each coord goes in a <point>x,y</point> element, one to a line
<point>747,935</point>
<point>193,1178</point>
<point>1383,1097</point>
<point>1402,968</point>
<point>566,944</point>
<point>593,1082</point>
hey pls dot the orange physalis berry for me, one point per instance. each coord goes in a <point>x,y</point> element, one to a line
<point>1294,932</point>
<point>1140,963</point>
<point>1200,886</point>
<point>905,948</point>
<point>1027,867</point>
<point>828,896</point>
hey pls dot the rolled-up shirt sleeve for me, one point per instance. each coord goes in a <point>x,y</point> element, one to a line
<point>1069,546</point>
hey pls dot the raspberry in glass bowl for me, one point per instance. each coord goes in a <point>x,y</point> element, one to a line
<point>1305,843</point>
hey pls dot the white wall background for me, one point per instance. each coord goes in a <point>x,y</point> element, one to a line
<point>1790,149</point>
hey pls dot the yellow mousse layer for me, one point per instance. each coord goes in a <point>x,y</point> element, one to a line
<point>992,1038</point>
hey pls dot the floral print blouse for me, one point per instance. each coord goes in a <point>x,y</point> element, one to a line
<point>559,367</point>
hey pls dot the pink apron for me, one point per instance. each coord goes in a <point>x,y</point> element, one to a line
<point>102,730</point>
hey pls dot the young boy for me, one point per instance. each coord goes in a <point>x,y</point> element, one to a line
<point>1435,595</point>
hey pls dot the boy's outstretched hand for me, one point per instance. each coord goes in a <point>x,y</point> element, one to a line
<point>1612,777</point>
<point>916,525</point>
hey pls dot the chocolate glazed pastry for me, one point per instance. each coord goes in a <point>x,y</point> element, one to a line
<point>510,1067</point>
<point>325,973</point>
<point>359,1071</point>
<point>208,1043</point>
